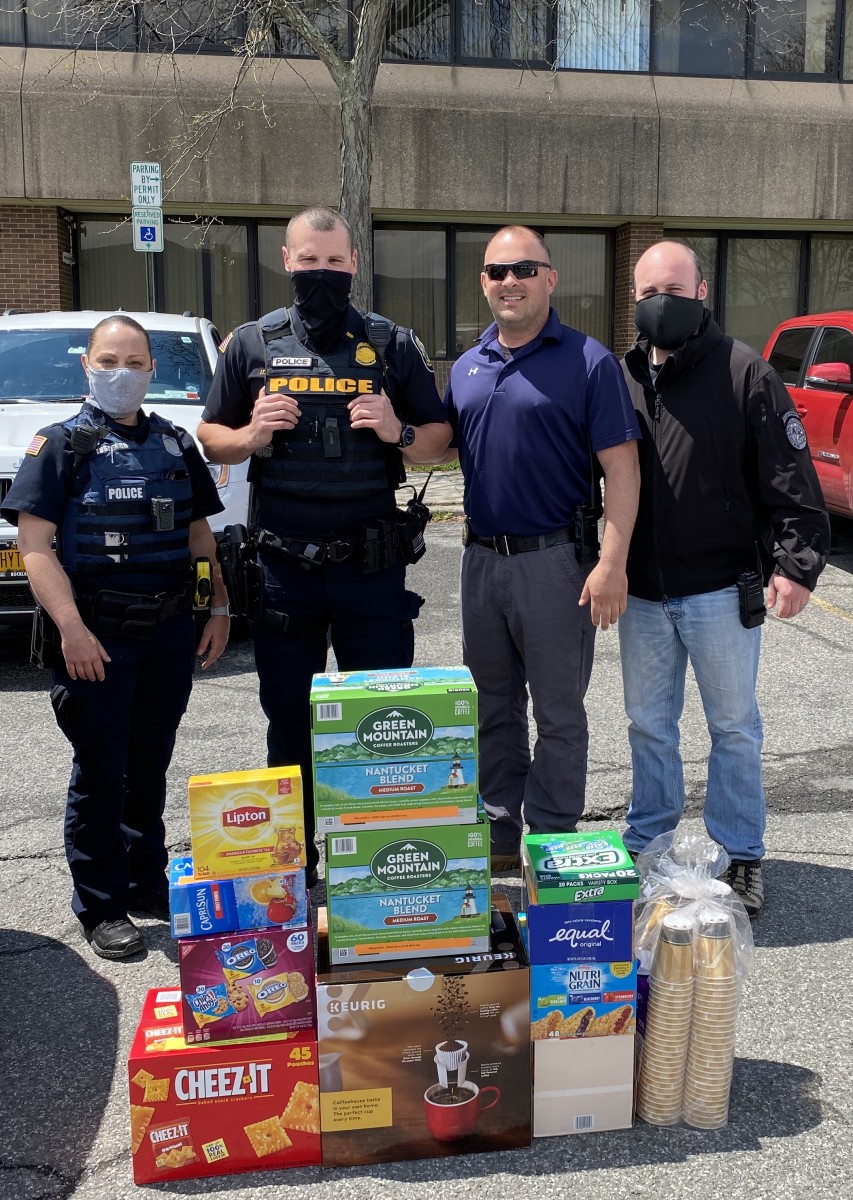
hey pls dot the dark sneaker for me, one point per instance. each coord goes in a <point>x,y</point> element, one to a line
<point>745,880</point>
<point>115,939</point>
<point>151,904</point>
<point>505,864</point>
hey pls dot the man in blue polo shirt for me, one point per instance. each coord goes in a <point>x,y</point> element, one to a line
<point>536,409</point>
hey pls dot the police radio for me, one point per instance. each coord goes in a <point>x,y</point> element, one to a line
<point>410,525</point>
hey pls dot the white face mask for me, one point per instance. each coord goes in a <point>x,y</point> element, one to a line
<point>118,392</point>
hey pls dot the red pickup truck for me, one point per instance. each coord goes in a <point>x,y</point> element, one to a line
<point>814,356</point>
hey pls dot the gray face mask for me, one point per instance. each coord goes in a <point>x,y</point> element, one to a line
<point>118,392</point>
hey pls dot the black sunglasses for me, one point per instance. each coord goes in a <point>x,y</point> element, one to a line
<point>528,268</point>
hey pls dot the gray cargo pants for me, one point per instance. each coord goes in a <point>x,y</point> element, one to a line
<point>521,625</point>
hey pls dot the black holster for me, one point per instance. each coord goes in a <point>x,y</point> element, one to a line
<point>45,641</point>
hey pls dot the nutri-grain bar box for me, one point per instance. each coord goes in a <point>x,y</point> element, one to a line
<point>394,749</point>
<point>408,893</point>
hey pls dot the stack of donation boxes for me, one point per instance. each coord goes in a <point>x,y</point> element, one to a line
<point>223,1070</point>
<point>578,927</point>
<point>422,988</point>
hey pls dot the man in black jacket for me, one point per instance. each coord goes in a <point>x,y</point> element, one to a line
<point>728,490</point>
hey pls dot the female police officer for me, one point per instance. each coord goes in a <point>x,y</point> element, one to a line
<point>126,496</point>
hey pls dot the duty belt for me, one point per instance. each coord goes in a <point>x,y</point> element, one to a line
<point>125,614</point>
<point>506,544</point>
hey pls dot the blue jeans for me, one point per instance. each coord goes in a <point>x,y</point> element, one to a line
<point>656,640</point>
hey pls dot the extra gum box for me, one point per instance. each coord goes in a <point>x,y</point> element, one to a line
<point>243,822</point>
<point>578,868</point>
<point>206,906</point>
<point>216,1110</point>
<point>247,984</point>
<point>394,749</point>
<point>583,1000</point>
<point>408,893</point>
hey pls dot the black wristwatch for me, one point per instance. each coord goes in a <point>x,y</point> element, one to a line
<point>407,436</point>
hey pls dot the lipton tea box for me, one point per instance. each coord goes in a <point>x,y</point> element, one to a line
<point>408,893</point>
<point>244,822</point>
<point>394,749</point>
<point>578,868</point>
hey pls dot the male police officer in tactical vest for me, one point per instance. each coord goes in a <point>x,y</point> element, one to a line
<point>328,402</point>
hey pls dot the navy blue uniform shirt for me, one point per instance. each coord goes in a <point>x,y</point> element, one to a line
<point>526,427</point>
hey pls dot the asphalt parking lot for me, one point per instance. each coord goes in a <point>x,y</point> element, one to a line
<point>69,1017</point>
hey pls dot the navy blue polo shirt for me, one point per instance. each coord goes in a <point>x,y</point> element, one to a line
<point>525,426</point>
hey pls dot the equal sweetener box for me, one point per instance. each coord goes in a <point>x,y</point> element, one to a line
<point>206,906</point>
<point>408,893</point>
<point>571,933</point>
<point>216,1110</point>
<point>242,822</point>
<point>578,868</point>
<point>425,1058</point>
<point>583,1000</point>
<point>394,749</point>
<point>582,1085</point>
<point>247,984</point>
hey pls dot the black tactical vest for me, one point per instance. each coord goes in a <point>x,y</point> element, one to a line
<point>323,457</point>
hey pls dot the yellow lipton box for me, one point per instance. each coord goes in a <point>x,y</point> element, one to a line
<point>243,822</point>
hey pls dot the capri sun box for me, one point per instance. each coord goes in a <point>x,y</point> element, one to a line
<point>394,749</point>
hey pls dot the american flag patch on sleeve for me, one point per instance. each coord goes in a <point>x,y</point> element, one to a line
<point>35,445</point>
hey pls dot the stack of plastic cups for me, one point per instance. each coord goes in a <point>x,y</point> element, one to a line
<point>712,1034</point>
<point>660,1089</point>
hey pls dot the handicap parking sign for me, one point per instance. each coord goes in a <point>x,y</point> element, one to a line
<point>148,229</point>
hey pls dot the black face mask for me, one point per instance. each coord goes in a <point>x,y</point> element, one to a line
<point>322,300</point>
<point>667,320</point>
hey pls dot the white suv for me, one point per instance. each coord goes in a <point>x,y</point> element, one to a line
<point>42,381</point>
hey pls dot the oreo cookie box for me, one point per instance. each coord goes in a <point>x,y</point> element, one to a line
<point>578,868</point>
<point>394,749</point>
<point>408,893</point>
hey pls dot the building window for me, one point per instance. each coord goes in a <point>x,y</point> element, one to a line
<point>705,246</point>
<point>192,25</point>
<point>51,24</point>
<point>795,37</point>
<point>410,282</point>
<point>274,287</point>
<point>762,286</point>
<point>11,25</point>
<point>699,37</point>
<point>471,312</point>
<point>205,268</point>
<point>830,272</point>
<point>419,31</point>
<point>610,35</point>
<point>582,296</point>
<point>111,273</point>
<point>519,31</point>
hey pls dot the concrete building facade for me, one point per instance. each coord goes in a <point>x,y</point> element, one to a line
<point>755,173</point>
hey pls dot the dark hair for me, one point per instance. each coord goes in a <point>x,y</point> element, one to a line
<point>126,323</point>
<point>321,220</point>
<point>521,231</point>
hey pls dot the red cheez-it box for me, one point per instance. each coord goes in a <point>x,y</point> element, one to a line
<point>218,1109</point>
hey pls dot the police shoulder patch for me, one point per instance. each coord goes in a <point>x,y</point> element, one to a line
<point>35,445</point>
<point>421,349</point>
<point>223,345</point>
<point>794,430</point>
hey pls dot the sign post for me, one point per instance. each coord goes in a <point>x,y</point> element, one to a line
<point>146,193</point>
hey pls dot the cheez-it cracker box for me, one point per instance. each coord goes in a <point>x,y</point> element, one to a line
<point>244,822</point>
<point>216,1110</point>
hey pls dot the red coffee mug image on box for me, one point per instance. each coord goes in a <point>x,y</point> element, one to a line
<point>452,1112</point>
<point>247,984</point>
<point>217,1110</point>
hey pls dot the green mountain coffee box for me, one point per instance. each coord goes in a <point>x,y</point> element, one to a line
<point>578,868</point>
<point>408,893</point>
<point>394,749</point>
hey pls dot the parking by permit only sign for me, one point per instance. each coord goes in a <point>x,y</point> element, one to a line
<point>146,194</point>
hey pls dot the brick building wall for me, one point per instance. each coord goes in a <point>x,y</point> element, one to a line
<point>632,239</point>
<point>33,276</point>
